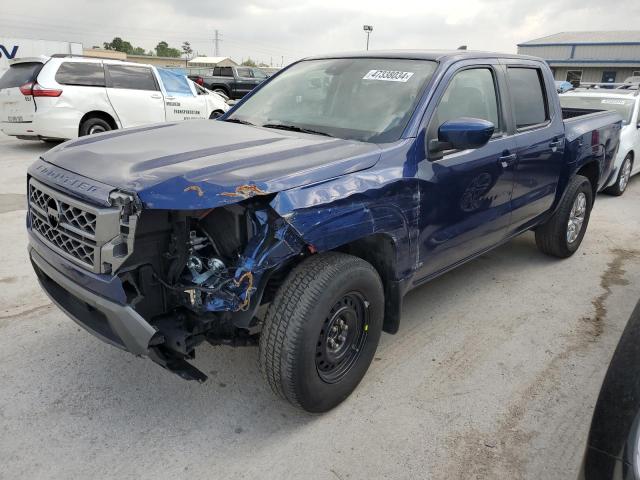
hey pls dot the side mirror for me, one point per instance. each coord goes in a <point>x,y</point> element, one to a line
<point>231,102</point>
<point>461,134</point>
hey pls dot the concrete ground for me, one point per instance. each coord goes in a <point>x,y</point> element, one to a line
<point>494,374</point>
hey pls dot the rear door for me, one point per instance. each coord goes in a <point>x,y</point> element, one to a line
<point>539,135</point>
<point>134,94</point>
<point>245,81</point>
<point>15,107</point>
<point>181,99</point>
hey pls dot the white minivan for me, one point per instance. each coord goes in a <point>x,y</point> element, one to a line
<point>63,97</point>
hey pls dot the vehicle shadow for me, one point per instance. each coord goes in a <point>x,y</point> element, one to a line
<point>235,396</point>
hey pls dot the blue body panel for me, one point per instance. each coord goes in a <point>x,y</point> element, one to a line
<point>436,213</point>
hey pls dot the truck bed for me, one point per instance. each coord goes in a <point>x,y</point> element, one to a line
<point>579,121</point>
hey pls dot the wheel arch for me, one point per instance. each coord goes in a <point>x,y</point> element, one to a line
<point>381,251</point>
<point>591,170</point>
<point>98,114</point>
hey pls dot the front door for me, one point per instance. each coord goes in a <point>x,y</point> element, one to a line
<point>134,94</point>
<point>181,99</point>
<point>465,198</point>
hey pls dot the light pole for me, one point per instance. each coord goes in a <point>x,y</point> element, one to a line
<point>368,29</point>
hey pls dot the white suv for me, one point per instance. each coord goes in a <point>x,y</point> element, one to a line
<point>65,97</point>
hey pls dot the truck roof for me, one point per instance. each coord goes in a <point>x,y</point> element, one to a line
<point>434,55</point>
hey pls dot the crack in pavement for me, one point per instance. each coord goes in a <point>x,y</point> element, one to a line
<point>508,452</point>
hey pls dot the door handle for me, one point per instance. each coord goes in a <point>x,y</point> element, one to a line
<point>507,160</point>
<point>156,95</point>
<point>555,144</point>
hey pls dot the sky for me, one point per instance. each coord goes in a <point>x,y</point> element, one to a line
<point>274,31</point>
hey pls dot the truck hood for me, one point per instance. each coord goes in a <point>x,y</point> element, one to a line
<point>204,163</point>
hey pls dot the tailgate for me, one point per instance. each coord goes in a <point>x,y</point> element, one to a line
<point>14,106</point>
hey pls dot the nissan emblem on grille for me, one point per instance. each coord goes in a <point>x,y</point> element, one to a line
<point>53,212</point>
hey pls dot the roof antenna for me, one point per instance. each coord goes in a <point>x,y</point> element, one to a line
<point>462,47</point>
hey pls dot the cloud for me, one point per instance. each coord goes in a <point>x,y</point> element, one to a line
<point>271,29</point>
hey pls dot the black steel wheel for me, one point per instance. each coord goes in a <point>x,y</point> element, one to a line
<point>341,339</point>
<point>321,330</point>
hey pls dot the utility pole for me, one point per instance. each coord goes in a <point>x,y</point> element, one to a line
<point>368,29</point>
<point>216,43</point>
<point>282,63</point>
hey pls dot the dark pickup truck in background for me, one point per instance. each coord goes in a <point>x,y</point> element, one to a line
<point>233,82</point>
<point>300,219</point>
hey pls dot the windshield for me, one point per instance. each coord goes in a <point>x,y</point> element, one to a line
<point>366,99</point>
<point>622,106</point>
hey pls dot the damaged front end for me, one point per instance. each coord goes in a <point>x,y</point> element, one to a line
<point>202,275</point>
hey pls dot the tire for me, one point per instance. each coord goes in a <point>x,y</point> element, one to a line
<point>94,125</point>
<point>554,237</point>
<point>215,114</point>
<point>622,181</point>
<point>221,91</point>
<point>302,318</point>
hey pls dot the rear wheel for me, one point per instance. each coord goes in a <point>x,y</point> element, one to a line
<point>94,125</point>
<point>322,330</point>
<point>623,178</point>
<point>562,234</point>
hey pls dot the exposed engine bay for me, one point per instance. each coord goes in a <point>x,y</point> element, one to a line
<point>216,269</point>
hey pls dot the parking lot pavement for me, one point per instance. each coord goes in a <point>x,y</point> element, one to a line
<point>494,374</point>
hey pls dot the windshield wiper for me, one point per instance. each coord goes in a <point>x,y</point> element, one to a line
<point>294,128</point>
<point>237,120</point>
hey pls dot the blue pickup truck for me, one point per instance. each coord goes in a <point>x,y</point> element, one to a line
<point>299,220</point>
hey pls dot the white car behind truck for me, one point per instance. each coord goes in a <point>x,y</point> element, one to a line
<point>627,104</point>
<point>63,97</point>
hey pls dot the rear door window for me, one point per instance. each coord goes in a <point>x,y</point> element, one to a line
<point>244,72</point>
<point>82,74</point>
<point>132,78</point>
<point>226,72</point>
<point>528,96</point>
<point>19,74</point>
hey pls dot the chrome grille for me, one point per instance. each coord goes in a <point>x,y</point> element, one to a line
<point>77,247</point>
<point>81,219</point>
<point>75,229</point>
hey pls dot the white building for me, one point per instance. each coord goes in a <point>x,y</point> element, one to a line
<point>22,47</point>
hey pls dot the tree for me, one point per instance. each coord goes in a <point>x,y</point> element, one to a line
<point>164,50</point>
<point>139,51</point>
<point>248,63</point>
<point>187,50</point>
<point>118,45</point>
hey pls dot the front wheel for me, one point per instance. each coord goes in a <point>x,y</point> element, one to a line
<point>322,330</point>
<point>215,114</point>
<point>562,234</point>
<point>622,181</point>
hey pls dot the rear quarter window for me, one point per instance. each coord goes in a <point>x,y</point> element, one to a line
<point>82,74</point>
<point>19,74</point>
<point>132,78</point>
<point>528,96</point>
